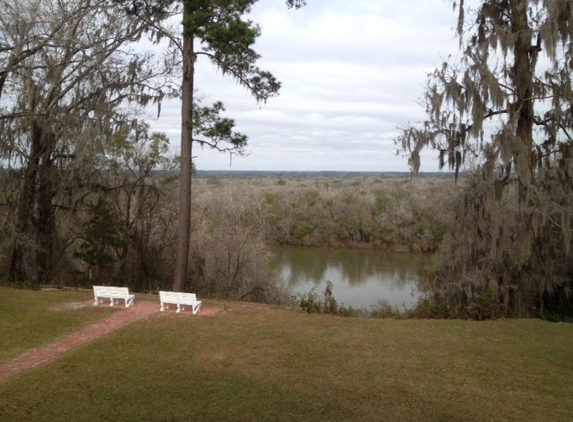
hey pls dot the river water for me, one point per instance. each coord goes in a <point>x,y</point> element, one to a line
<point>360,278</point>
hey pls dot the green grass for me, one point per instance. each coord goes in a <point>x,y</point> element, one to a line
<point>30,318</point>
<point>260,363</point>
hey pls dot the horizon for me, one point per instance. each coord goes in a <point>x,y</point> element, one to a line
<point>352,76</point>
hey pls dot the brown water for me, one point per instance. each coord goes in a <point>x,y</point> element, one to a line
<point>361,278</point>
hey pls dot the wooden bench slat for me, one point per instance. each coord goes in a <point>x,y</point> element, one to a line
<point>113,293</point>
<point>180,299</point>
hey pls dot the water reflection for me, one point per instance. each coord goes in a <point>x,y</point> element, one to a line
<point>361,277</point>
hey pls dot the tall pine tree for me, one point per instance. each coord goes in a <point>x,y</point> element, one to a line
<point>215,30</point>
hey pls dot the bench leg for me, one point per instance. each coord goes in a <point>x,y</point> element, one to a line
<point>178,308</point>
<point>111,301</point>
<point>129,302</point>
<point>162,307</point>
<point>96,301</point>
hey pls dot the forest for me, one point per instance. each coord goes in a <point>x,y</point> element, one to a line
<point>91,194</point>
<point>126,232</point>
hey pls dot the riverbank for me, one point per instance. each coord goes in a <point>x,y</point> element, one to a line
<point>259,362</point>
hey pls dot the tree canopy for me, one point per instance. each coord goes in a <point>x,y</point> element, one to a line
<point>505,108</point>
<point>67,72</point>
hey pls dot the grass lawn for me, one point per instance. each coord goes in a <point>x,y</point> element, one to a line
<point>260,363</point>
<point>30,318</point>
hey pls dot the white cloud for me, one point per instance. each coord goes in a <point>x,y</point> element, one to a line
<point>351,73</point>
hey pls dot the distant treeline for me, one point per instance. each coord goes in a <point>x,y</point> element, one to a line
<point>319,174</point>
<point>398,214</point>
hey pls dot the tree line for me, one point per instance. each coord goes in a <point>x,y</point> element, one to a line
<point>389,214</point>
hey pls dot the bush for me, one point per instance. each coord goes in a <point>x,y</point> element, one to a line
<point>312,303</point>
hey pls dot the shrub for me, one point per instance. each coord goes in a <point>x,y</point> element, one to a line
<point>312,303</point>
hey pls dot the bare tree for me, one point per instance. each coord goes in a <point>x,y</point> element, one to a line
<point>125,220</point>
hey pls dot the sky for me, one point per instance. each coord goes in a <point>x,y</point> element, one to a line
<point>352,74</point>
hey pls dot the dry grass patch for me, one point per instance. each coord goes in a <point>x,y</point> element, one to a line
<point>257,363</point>
<point>31,318</point>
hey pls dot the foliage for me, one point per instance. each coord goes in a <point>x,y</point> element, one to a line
<point>234,221</point>
<point>296,3</point>
<point>101,235</point>
<point>505,107</point>
<point>139,178</point>
<point>229,257</point>
<point>67,70</point>
<point>227,41</point>
<point>391,214</point>
<point>311,303</point>
<point>216,132</point>
<point>383,309</point>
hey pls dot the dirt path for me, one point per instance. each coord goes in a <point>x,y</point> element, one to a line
<point>52,351</point>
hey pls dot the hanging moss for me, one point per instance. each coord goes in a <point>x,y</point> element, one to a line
<point>506,119</point>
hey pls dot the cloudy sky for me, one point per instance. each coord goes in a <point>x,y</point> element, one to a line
<point>352,72</point>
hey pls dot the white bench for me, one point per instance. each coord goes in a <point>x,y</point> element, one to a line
<point>113,293</point>
<point>181,300</point>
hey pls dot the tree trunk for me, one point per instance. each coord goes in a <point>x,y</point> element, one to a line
<point>523,79</point>
<point>26,205</point>
<point>184,231</point>
<point>36,197</point>
<point>46,224</point>
<point>46,230</point>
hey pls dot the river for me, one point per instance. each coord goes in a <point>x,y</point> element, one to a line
<point>360,278</point>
